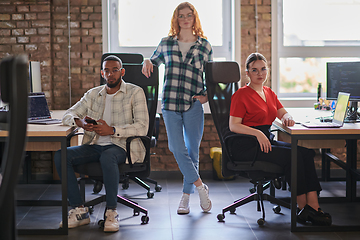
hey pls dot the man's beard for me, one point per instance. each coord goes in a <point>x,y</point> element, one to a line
<point>112,85</point>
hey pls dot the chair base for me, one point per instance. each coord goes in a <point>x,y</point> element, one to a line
<point>259,196</point>
<point>122,200</point>
<point>125,185</point>
<point>142,183</point>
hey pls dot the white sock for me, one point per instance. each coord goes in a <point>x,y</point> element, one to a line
<point>200,187</point>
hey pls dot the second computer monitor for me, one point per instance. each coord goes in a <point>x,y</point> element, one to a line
<point>343,77</point>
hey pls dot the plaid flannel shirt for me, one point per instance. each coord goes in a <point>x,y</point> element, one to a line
<point>129,116</point>
<point>183,78</point>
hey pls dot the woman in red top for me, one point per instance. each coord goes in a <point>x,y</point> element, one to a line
<point>253,109</point>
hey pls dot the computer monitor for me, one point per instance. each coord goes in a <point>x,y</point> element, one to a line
<point>344,77</point>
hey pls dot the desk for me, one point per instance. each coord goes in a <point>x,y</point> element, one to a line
<point>48,138</point>
<point>350,132</point>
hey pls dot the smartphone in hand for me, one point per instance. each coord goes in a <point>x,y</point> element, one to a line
<point>88,120</point>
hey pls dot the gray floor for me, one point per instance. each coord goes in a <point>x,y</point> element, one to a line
<point>165,224</point>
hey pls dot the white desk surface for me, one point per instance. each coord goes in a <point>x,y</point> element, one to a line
<point>309,114</point>
<point>50,130</point>
<point>42,130</point>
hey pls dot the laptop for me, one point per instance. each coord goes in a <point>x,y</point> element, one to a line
<point>39,111</point>
<point>339,114</point>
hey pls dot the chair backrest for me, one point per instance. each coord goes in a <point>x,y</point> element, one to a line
<point>150,86</point>
<point>125,58</point>
<point>132,62</point>
<point>222,80</point>
<point>14,90</point>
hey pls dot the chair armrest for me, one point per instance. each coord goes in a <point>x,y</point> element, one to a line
<point>146,141</point>
<point>72,134</point>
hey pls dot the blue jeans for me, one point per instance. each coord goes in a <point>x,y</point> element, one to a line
<point>184,131</point>
<point>109,156</point>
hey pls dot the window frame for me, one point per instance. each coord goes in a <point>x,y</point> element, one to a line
<point>234,26</point>
<point>280,51</point>
<point>224,51</point>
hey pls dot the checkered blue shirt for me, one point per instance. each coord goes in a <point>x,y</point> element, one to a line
<point>183,78</point>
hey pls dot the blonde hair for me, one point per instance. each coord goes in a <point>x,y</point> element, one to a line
<point>175,28</point>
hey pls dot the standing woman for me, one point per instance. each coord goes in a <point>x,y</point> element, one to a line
<point>253,109</point>
<point>184,53</point>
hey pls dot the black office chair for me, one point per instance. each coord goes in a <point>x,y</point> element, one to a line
<point>14,90</point>
<point>136,58</point>
<point>222,81</point>
<point>125,58</point>
<point>132,170</point>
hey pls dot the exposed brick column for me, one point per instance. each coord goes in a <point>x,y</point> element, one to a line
<point>248,32</point>
<point>86,49</point>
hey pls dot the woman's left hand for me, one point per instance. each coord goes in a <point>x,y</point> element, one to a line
<point>203,99</point>
<point>288,122</point>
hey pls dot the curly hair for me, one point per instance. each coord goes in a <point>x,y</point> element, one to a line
<point>175,28</point>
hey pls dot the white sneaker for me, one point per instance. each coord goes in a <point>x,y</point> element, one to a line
<point>205,202</point>
<point>184,207</point>
<point>77,217</point>
<point>111,221</point>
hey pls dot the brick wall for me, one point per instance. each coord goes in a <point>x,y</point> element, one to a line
<point>39,29</point>
<point>86,49</point>
<point>163,159</point>
<point>25,28</point>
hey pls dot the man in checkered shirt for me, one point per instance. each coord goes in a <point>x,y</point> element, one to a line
<point>109,114</point>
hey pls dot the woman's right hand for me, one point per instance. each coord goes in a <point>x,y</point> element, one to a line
<point>235,125</point>
<point>147,68</point>
<point>264,142</point>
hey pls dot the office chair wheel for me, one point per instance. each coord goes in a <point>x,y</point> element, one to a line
<point>221,217</point>
<point>101,223</point>
<point>252,190</point>
<point>232,211</point>
<point>158,188</point>
<point>91,209</point>
<point>277,209</point>
<point>277,183</point>
<point>260,221</point>
<point>97,187</point>
<point>144,219</point>
<point>150,194</point>
<point>125,185</point>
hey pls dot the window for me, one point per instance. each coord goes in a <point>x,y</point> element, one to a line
<point>138,26</point>
<point>307,34</point>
